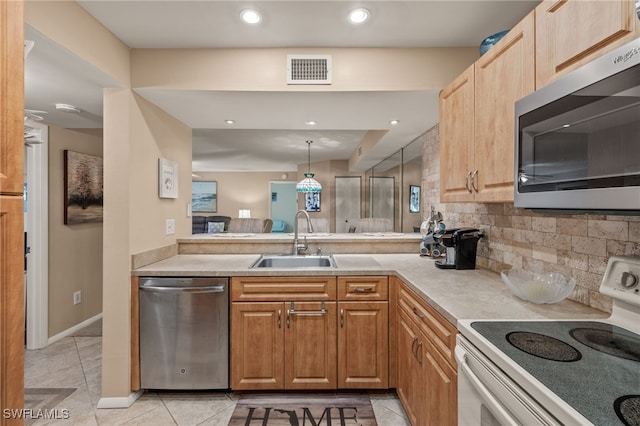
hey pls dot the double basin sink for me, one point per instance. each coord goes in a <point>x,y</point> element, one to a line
<point>291,261</point>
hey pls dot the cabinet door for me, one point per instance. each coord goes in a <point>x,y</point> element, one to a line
<point>12,98</point>
<point>441,401</point>
<point>257,345</point>
<point>502,76</point>
<point>11,304</point>
<point>572,33</point>
<point>363,345</point>
<point>456,138</point>
<point>310,346</point>
<point>411,381</point>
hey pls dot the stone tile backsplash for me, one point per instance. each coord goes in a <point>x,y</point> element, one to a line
<point>576,245</point>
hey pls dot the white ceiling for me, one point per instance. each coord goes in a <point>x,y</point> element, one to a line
<point>268,134</point>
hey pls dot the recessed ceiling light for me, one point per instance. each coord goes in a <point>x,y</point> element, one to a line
<point>394,122</point>
<point>250,16</point>
<point>230,121</point>
<point>358,16</point>
<point>311,123</point>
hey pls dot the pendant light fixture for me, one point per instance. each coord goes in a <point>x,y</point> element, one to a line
<point>308,184</point>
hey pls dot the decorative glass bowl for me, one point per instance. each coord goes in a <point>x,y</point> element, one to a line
<point>548,288</point>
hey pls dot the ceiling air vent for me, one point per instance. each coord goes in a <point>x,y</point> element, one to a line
<point>308,69</point>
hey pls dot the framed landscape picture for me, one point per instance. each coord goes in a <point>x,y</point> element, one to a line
<point>83,186</point>
<point>204,196</point>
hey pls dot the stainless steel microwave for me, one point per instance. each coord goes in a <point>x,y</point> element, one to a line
<point>577,140</point>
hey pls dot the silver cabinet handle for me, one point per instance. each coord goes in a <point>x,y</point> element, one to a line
<point>292,310</point>
<point>418,314</point>
<point>466,182</point>
<point>474,175</point>
<point>279,318</point>
<point>413,343</point>
<point>363,289</point>
<point>418,348</point>
<point>341,318</point>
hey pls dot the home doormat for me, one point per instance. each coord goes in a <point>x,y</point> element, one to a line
<point>40,403</point>
<point>303,409</point>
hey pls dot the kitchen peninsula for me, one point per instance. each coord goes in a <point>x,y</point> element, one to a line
<point>403,294</point>
<point>237,243</point>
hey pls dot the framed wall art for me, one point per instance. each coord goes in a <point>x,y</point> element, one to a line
<point>414,199</point>
<point>312,201</point>
<point>204,196</point>
<point>167,178</point>
<point>83,188</point>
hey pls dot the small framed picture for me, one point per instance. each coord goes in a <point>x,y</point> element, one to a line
<point>204,196</point>
<point>312,201</point>
<point>167,178</point>
<point>414,199</point>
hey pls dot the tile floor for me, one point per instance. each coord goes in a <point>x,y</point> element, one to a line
<point>75,362</point>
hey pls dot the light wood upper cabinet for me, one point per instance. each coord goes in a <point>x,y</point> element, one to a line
<point>477,120</point>
<point>457,149</point>
<point>502,76</point>
<point>572,33</point>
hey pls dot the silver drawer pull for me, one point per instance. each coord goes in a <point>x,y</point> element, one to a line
<point>418,314</point>
<point>292,310</point>
<point>363,289</point>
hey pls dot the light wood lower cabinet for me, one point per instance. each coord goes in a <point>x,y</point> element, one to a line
<point>257,345</point>
<point>295,342</point>
<point>363,342</point>
<point>427,376</point>
<point>310,346</point>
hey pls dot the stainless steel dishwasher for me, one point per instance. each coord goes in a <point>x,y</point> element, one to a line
<point>184,333</point>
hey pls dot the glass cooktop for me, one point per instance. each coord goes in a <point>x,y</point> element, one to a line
<point>592,366</point>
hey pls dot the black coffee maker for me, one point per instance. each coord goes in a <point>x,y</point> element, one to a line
<point>461,244</point>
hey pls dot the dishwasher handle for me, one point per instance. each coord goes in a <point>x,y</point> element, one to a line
<point>166,289</point>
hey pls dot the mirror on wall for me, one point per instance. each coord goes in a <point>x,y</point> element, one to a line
<point>389,188</point>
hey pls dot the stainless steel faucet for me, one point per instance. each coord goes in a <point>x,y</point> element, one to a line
<point>297,247</point>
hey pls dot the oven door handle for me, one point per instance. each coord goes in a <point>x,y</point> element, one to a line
<point>493,404</point>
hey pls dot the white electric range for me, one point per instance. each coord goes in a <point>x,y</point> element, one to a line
<point>556,372</point>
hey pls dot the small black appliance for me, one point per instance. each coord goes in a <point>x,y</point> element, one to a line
<point>461,244</point>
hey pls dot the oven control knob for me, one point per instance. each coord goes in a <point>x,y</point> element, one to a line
<point>629,280</point>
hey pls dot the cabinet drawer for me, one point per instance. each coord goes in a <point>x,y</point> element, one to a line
<point>258,289</point>
<point>363,288</point>
<point>440,331</point>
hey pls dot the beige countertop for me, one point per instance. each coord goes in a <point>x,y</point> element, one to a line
<point>288,237</point>
<point>465,294</point>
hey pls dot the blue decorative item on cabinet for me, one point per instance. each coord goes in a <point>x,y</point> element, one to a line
<point>488,42</point>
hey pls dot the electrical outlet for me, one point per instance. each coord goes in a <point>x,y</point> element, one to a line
<point>77,297</point>
<point>171,226</point>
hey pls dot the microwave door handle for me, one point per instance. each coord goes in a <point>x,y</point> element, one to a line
<point>492,403</point>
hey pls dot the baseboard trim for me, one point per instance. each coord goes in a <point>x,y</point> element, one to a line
<point>70,331</point>
<point>119,402</point>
